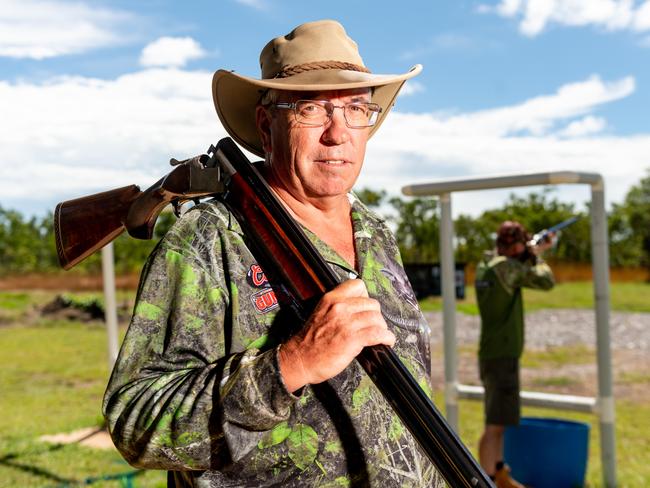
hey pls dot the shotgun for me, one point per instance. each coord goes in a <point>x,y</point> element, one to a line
<point>289,259</point>
<point>541,236</point>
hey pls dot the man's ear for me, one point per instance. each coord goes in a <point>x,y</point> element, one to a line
<point>263,123</point>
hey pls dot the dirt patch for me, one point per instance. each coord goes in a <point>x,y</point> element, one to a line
<point>89,437</point>
<point>64,282</point>
<point>66,308</point>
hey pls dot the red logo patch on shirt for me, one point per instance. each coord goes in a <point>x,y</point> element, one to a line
<point>256,277</point>
<point>264,300</point>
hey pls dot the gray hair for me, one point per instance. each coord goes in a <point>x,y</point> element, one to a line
<point>269,97</point>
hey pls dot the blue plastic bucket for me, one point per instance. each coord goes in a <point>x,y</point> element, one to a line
<point>547,453</point>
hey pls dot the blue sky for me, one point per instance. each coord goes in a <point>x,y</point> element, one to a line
<point>96,95</point>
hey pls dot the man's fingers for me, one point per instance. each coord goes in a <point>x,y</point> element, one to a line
<point>349,288</point>
<point>373,335</point>
<point>356,305</point>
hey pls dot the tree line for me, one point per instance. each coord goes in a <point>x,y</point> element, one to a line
<point>27,244</point>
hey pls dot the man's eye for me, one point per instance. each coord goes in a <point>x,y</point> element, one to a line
<point>310,108</point>
<point>357,108</point>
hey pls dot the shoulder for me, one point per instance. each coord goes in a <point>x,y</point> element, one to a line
<point>201,233</point>
<point>202,221</point>
<point>509,271</point>
<point>371,220</point>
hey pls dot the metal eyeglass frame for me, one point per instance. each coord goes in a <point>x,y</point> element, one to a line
<point>329,109</point>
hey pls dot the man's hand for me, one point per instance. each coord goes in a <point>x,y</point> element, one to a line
<point>546,243</point>
<point>344,322</point>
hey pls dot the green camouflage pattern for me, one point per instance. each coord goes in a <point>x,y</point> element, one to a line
<point>196,389</point>
<point>498,284</point>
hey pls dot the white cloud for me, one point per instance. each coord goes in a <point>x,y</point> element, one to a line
<point>446,41</point>
<point>535,15</point>
<point>90,135</point>
<point>256,4</point>
<point>583,127</point>
<point>420,148</point>
<point>411,87</point>
<point>642,19</point>
<point>537,116</point>
<point>40,29</point>
<point>171,52</point>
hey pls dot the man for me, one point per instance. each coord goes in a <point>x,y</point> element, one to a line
<point>499,279</point>
<point>207,385</point>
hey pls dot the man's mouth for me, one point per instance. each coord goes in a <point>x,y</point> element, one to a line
<point>332,162</point>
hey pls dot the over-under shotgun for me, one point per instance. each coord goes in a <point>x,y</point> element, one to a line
<point>287,257</point>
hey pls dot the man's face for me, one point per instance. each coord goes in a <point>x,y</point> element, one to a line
<point>515,250</point>
<point>314,162</point>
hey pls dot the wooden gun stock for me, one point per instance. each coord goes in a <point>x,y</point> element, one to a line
<point>85,225</point>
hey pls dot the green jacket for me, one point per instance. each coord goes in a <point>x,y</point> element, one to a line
<point>196,389</point>
<point>498,291</point>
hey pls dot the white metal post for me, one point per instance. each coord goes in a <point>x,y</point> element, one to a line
<point>605,404</point>
<point>110,306</point>
<point>448,282</point>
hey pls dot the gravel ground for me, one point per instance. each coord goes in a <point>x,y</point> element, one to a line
<point>545,328</point>
<point>630,340</point>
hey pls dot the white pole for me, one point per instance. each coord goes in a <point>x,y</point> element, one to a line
<point>600,260</point>
<point>110,307</point>
<point>448,282</point>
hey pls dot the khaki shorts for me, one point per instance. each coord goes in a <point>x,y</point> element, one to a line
<point>500,379</point>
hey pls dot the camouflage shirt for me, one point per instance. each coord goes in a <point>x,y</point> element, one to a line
<point>197,391</point>
<point>498,291</point>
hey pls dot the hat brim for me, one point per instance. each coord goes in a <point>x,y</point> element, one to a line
<point>235,96</point>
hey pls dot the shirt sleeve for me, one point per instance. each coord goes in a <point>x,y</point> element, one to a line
<point>514,274</point>
<point>178,397</point>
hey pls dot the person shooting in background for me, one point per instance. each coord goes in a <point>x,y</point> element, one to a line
<point>500,276</point>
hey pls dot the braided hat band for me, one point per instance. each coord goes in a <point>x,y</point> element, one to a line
<point>301,68</point>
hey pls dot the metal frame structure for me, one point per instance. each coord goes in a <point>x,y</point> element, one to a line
<point>108,278</point>
<point>603,406</point>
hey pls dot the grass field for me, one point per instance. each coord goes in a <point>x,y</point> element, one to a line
<point>627,297</point>
<point>54,373</point>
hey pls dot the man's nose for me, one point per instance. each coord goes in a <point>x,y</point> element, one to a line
<point>336,129</point>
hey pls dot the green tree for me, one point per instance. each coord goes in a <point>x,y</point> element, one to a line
<point>630,226</point>
<point>536,212</point>
<point>372,198</point>
<point>24,244</point>
<point>418,227</point>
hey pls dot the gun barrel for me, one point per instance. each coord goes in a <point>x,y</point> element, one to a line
<point>288,257</point>
<point>540,236</point>
<point>563,224</point>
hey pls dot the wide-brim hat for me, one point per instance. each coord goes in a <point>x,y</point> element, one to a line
<point>316,56</point>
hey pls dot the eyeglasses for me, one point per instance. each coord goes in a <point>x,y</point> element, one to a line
<point>315,113</point>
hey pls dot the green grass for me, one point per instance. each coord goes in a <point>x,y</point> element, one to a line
<point>555,381</point>
<point>558,356</point>
<point>54,373</point>
<point>632,438</point>
<point>53,378</point>
<point>629,297</point>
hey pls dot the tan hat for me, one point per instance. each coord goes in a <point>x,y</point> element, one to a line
<point>315,56</point>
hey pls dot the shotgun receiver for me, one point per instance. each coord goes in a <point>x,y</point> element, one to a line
<point>85,225</point>
<point>292,262</point>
